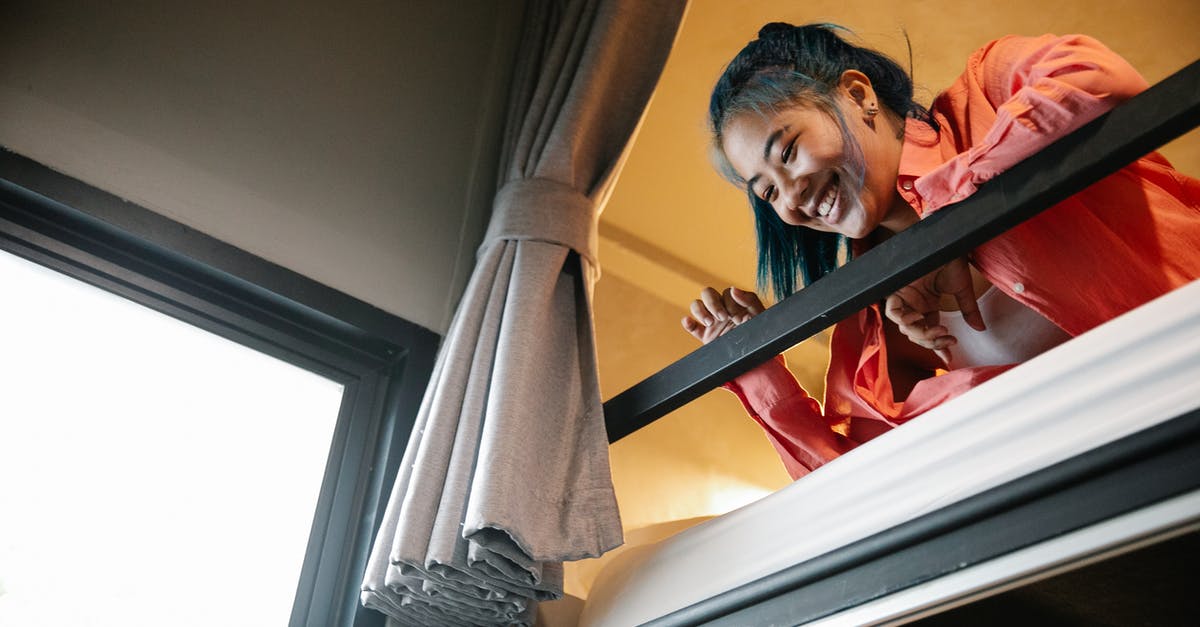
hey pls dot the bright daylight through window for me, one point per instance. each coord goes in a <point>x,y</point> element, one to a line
<point>151,473</point>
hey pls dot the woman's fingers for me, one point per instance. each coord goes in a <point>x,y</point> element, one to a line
<point>714,303</point>
<point>715,313</point>
<point>706,332</point>
<point>899,311</point>
<point>970,309</point>
<point>923,329</point>
<point>748,301</point>
<point>695,328</point>
<point>933,337</point>
<point>701,313</point>
<point>738,313</point>
<point>731,304</point>
<point>909,298</point>
<point>914,307</point>
<point>734,308</point>
<point>955,278</point>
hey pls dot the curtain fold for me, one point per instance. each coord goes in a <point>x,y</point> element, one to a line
<point>506,472</point>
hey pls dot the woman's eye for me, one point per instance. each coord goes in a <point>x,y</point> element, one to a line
<point>786,155</point>
<point>768,193</point>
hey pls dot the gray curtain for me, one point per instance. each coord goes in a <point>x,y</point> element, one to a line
<point>506,474</point>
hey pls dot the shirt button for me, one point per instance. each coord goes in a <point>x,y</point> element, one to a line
<point>906,186</point>
<point>1019,288</point>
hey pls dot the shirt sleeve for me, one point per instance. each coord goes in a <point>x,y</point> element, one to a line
<point>792,420</point>
<point>1041,88</point>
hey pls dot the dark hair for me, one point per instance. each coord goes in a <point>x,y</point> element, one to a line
<point>789,65</point>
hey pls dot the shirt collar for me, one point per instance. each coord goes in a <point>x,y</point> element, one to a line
<point>921,152</point>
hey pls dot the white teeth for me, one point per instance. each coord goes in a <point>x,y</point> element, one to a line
<point>827,202</point>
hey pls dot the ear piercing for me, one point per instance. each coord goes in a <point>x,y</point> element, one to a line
<point>871,110</point>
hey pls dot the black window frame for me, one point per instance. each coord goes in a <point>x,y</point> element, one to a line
<point>384,362</point>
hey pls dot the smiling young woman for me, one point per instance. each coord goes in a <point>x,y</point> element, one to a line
<point>835,155</point>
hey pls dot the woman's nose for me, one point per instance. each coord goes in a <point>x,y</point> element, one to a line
<point>791,193</point>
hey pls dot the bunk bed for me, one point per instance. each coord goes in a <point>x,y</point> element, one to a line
<point>1090,451</point>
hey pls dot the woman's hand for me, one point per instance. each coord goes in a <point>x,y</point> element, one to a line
<point>914,308</point>
<point>715,313</point>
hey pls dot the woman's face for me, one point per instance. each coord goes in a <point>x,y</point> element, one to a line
<point>797,160</point>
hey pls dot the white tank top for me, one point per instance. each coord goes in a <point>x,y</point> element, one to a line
<point>1015,333</point>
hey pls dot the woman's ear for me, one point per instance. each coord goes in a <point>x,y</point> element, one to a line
<point>855,86</point>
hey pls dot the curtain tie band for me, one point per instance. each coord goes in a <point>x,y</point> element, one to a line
<point>544,210</point>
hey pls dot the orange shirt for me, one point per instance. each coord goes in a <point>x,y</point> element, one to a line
<point>1123,241</point>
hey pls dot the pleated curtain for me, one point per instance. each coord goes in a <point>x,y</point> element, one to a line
<point>506,474</point>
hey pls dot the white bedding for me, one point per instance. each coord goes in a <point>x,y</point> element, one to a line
<point>1124,376</point>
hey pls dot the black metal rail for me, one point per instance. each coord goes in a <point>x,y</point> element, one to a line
<point>1142,124</point>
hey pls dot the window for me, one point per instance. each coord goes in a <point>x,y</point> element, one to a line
<point>146,456</point>
<point>96,483</point>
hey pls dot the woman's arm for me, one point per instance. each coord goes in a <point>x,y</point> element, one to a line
<point>792,420</point>
<point>1040,89</point>
<point>1034,90</point>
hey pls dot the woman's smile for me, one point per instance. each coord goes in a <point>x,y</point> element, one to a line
<point>827,202</point>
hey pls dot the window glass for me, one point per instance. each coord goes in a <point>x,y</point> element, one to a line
<point>151,473</point>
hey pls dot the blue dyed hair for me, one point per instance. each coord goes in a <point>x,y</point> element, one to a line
<point>791,65</point>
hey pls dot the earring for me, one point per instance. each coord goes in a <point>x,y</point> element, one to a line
<point>871,110</point>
